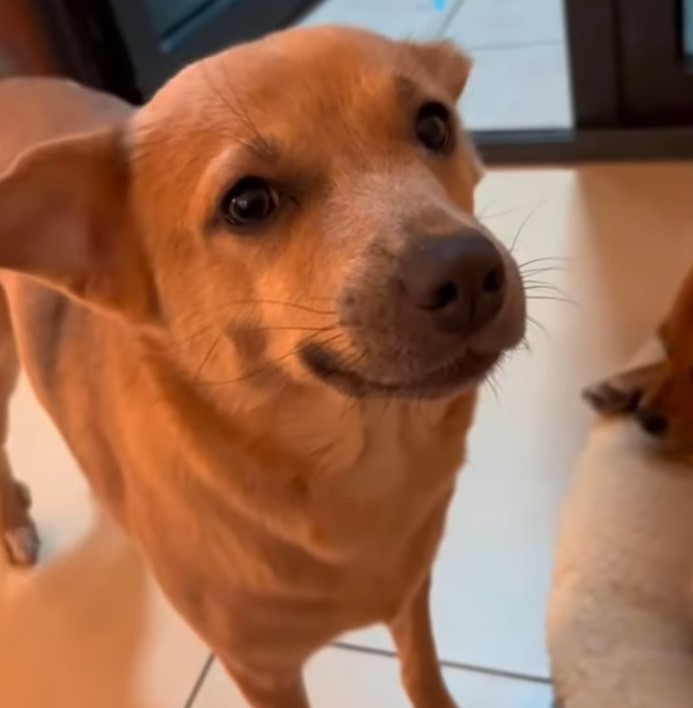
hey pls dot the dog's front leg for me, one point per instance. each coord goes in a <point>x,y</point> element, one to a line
<point>18,533</point>
<point>413,636</point>
<point>18,536</point>
<point>263,690</point>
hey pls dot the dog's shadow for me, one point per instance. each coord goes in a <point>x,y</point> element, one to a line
<point>72,630</point>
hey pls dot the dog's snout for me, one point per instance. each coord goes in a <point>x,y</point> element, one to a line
<point>652,422</point>
<point>459,280</point>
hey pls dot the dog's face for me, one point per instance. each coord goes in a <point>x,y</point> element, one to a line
<point>330,195</point>
<point>305,204</point>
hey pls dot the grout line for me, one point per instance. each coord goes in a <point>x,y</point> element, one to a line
<point>501,673</point>
<point>513,45</point>
<point>385,653</point>
<point>449,17</point>
<point>190,703</point>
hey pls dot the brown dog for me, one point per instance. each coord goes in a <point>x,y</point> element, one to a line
<point>258,310</point>
<point>659,393</point>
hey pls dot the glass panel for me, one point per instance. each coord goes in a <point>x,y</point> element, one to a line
<point>168,14</point>
<point>688,28</point>
<point>521,76</point>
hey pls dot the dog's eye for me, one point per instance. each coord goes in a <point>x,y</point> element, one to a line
<point>249,202</point>
<point>433,127</point>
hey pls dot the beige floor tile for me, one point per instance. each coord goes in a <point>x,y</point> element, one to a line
<point>627,234</point>
<point>87,629</point>
<point>345,679</point>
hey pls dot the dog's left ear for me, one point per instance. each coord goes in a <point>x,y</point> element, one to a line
<point>65,220</point>
<point>446,63</point>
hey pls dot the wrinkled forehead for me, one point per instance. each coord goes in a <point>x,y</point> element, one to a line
<point>303,108</point>
<point>304,84</point>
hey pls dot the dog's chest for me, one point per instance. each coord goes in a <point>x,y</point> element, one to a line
<point>384,515</point>
<point>353,532</point>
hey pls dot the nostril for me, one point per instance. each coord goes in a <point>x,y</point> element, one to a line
<point>441,297</point>
<point>459,280</point>
<point>651,422</point>
<point>493,281</point>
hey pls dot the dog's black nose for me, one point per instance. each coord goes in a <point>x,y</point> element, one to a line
<point>458,279</point>
<point>651,422</point>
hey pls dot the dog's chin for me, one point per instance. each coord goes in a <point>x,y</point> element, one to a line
<point>459,375</point>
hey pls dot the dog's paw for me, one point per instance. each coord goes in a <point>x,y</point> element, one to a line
<point>609,399</point>
<point>22,545</point>
<point>18,532</point>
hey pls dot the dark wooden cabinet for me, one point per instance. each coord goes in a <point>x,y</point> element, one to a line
<point>164,35</point>
<point>631,63</point>
<point>24,48</point>
<point>131,47</point>
<point>656,40</point>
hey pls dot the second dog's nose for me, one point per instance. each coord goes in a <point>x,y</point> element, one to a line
<point>458,279</point>
<point>651,422</point>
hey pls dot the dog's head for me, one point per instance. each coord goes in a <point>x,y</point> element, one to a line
<point>659,392</point>
<point>665,409</point>
<point>302,204</point>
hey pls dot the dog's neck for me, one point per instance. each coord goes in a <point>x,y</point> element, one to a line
<point>324,429</point>
<point>335,434</point>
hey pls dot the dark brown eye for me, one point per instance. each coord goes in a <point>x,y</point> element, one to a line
<point>249,202</point>
<point>434,127</point>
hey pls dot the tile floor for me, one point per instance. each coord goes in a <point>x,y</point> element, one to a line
<point>89,630</point>
<point>521,77</point>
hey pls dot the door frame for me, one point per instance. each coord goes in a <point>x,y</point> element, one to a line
<point>657,76</point>
<point>620,107</point>
<point>89,41</point>
<point>112,44</point>
<point>595,69</point>
<point>217,24</point>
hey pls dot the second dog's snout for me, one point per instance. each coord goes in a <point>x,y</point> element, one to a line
<point>458,279</point>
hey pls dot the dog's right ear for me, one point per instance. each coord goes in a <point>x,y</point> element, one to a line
<point>65,220</point>
<point>446,63</point>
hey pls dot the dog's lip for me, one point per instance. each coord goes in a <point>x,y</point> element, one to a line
<point>463,372</point>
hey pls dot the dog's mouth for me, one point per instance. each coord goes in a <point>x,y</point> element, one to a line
<point>465,372</point>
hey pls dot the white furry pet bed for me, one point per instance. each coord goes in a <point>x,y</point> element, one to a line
<point>620,633</point>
